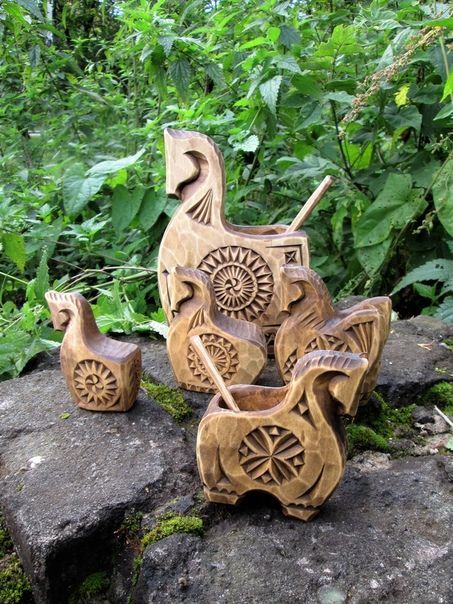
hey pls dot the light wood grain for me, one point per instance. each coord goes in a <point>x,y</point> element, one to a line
<point>237,348</point>
<point>243,262</point>
<point>310,205</point>
<point>213,373</point>
<point>102,374</point>
<point>287,441</point>
<point>313,323</point>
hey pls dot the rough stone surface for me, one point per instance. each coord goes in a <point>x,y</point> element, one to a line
<point>415,358</point>
<point>385,536</point>
<point>66,483</point>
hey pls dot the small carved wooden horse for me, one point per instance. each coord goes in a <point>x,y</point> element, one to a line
<point>315,324</point>
<point>286,441</point>
<point>102,374</point>
<point>243,262</point>
<point>237,348</point>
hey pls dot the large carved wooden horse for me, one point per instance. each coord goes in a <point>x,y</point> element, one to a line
<point>315,324</point>
<point>237,348</point>
<point>243,262</point>
<point>102,374</point>
<point>288,441</point>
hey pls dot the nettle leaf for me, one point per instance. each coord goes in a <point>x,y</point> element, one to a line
<point>440,269</point>
<point>445,311</point>
<point>250,144</point>
<point>14,248</point>
<point>167,43</point>
<point>111,166</point>
<point>340,97</point>
<point>443,196</point>
<point>269,91</point>
<point>41,281</point>
<point>32,7</point>
<point>180,74</point>
<point>289,36</point>
<point>273,34</point>
<point>152,206</point>
<point>125,205</point>
<point>215,72</point>
<point>78,189</point>
<point>342,42</point>
<point>287,62</point>
<point>393,208</point>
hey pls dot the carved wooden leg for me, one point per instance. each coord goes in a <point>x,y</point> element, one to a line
<point>300,512</point>
<point>218,497</point>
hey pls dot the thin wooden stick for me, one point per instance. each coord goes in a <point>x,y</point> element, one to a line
<point>214,373</point>
<point>310,205</point>
<point>444,417</point>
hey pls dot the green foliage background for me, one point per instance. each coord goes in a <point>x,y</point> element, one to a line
<point>87,87</point>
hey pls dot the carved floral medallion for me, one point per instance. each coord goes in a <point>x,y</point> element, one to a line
<point>271,455</point>
<point>242,280</point>
<point>95,383</point>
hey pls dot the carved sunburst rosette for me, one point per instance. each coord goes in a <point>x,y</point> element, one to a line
<point>242,280</point>
<point>95,384</point>
<point>223,354</point>
<point>271,455</point>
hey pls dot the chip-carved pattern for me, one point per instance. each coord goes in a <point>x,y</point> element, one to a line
<point>271,455</point>
<point>242,280</point>
<point>95,384</point>
<point>222,353</point>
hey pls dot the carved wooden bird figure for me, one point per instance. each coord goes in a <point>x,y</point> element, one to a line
<point>238,348</point>
<point>287,441</point>
<point>243,262</point>
<point>315,324</point>
<point>102,374</point>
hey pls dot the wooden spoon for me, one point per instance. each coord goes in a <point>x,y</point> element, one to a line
<point>214,373</point>
<point>310,205</point>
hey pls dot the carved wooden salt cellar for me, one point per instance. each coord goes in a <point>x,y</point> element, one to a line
<point>237,348</point>
<point>102,374</point>
<point>242,262</point>
<point>287,441</point>
<point>315,324</point>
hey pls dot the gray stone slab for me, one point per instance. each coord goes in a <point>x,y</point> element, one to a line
<point>66,483</point>
<point>385,536</point>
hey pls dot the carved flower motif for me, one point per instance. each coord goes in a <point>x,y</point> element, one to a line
<point>242,281</point>
<point>95,384</point>
<point>271,455</point>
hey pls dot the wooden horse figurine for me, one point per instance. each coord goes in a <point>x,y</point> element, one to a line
<point>238,348</point>
<point>102,374</point>
<point>243,262</point>
<point>315,324</point>
<point>287,441</point>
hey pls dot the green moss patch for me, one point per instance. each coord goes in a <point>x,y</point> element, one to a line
<point>169,524</point>
<point>14,585</point>
<point>364,438</point>
<point>441,394</point>
<point>170,399</point>
<point>94,585</point>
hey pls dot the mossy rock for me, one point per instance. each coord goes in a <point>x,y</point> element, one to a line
<point>170,399</point>
<point>14,585</point>
<point>364,438</point>
<point>94,585</point>
<point>441,395</point>
<point>169,524</point>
